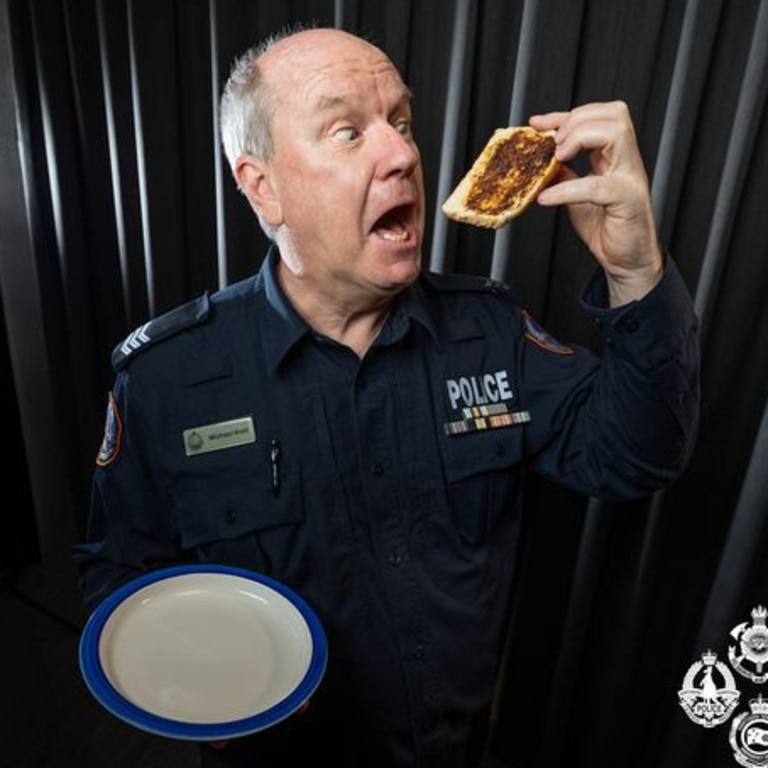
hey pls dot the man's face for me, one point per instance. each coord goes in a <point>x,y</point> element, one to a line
<point>346,171</point>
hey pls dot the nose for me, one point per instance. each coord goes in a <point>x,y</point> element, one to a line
<point>397,152</point>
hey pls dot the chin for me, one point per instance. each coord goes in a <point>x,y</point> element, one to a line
<point>405,271</point>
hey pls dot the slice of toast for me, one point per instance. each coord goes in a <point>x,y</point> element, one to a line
<point>513,167</point>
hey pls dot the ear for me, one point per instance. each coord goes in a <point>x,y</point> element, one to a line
<point>255,181</point>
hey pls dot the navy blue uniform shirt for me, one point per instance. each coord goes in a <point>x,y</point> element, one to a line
<point>394,508</point>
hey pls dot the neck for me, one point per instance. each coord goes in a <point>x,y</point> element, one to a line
<point>354,322</point>
<point>357,330</point>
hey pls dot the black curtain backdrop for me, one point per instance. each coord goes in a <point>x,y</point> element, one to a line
<point>117,205</point>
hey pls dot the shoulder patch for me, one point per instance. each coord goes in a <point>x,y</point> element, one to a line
<point>535,333</point>
<point>162,327</point>
<point>113,432</point>
<point>464,282</point>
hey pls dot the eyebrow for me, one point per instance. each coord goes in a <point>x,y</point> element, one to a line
<point>328,103</point>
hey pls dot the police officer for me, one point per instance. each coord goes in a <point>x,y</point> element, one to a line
<point>355,427</point>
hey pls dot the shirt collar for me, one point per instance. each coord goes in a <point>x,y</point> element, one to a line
<point>284,327</point>
<point>410,306</point>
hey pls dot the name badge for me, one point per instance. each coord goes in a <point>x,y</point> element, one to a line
<point>219,436</point>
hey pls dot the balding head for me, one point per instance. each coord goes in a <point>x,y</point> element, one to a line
<point>257,77</point>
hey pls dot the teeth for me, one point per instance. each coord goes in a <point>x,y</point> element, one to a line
<point>393,237</point>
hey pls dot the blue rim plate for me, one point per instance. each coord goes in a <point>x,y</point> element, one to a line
<point>203,652</point>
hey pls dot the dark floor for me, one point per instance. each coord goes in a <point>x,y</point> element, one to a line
<point>48,718</point>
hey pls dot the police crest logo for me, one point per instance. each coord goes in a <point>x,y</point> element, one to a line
<point>706,702</point>
<point>113,430</point>
<point>749,735</point>
<point>753,647</point>
<point>709,695</point>
<point>535,333</point>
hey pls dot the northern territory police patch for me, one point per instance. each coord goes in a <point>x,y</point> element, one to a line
<point>535,333</point>
<point>113,432</point>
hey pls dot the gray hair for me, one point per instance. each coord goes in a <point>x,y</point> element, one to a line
<point>247,106</point>
<point>245,111</point>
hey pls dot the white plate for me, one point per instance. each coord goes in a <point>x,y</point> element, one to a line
<point>203,652</point>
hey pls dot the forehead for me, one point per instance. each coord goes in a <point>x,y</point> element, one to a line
<point>322,69</point>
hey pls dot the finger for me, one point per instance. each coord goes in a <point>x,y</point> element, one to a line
<point>549,121</point>
<point>564,174</point>
<point>604,135</point>
<point>599,110</point>
<point>601,125</point>
<point>611,110</point>
<point>578,189</point>
<point>218,744</point>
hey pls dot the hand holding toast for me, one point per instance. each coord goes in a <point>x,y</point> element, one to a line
<point>610,208</point>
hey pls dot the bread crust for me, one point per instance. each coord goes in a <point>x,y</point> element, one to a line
<point>514,166</point>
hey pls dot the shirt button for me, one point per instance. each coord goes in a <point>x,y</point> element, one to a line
<point>230,516</point>
<point>418,652</point>
<point>377,470</point>
<point>394,559</point>
<point>631,326</point>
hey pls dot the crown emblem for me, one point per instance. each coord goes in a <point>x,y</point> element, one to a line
<point>750,657</point>
<point>749,735</point>
<point>709,694</point>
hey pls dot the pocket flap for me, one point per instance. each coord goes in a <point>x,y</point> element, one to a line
<point>234,504</point>
<point>481,451</point>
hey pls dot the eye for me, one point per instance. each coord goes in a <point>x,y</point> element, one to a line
<point>404,127</point>
<point>347,133</point>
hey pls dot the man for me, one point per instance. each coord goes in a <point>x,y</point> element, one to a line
<point>370,486</point>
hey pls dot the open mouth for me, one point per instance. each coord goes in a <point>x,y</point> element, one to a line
<point>393,225</point>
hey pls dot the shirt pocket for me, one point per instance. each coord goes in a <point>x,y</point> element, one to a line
<point>481,479</point>
<point>236,514</point>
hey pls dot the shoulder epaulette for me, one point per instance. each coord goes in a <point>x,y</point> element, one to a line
<point>464,282</point>
<point>162,327</point>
